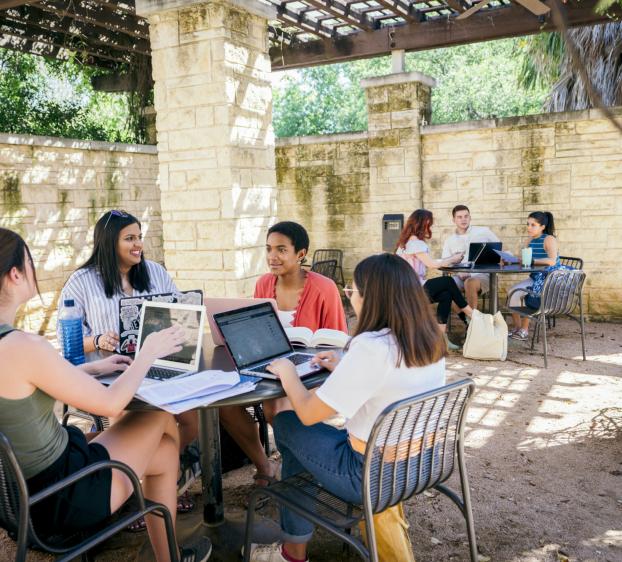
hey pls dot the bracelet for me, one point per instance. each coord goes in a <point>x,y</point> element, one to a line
<point>96,341</point>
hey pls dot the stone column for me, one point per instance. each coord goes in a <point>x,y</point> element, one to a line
<point>397,105</point>
<point>213,103</point>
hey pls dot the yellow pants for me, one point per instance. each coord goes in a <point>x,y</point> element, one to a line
<point>392,537</point>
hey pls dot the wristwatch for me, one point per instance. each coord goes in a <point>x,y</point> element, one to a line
<point>96,341</point>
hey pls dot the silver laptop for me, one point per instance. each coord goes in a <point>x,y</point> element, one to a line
<point>254,338</point>
<point>214,305</point>
<point>156,316</point>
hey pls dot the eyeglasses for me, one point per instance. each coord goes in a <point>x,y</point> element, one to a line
<point>348,291</point>
<point>116,213</point>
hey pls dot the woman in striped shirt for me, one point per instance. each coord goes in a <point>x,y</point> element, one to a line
<point>544,251</point>
<point>117,268</point>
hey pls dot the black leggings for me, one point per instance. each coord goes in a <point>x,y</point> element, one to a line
<point>444,290</point>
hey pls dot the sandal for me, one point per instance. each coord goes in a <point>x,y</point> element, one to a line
<point>263,480</point>
<point>137,526</point>
<point>520,335</point>
<point>185,503</point>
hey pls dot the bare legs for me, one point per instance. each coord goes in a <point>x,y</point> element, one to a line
<point>472,288</point>
<point>188,428</point>
<point>523,323</point>
<point>148,442</point>
<point>243,429</point>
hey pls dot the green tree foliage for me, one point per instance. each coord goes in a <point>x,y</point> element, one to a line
<point>54,98</point>
<point>475,81</point>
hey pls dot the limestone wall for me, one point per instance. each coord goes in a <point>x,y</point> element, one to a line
<point>568,163</point>
<point>52,191</point>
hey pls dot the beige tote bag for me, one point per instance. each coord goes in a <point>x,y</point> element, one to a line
<point>487,337</point>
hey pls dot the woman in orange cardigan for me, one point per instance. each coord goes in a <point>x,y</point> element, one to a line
<point>304,298</point>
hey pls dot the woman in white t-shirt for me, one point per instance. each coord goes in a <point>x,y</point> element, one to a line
<point>442,290</point>
<point>397,351</point>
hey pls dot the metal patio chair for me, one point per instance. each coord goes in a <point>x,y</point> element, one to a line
<point>412,448</point>
<point>568,261</point>
<point>15,504</point>
<point>327,268</point>
<point>561,294</point>
<point>324,254</point>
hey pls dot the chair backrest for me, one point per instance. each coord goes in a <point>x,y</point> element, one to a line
<point>14,513</point>
<point>561,291</point>
<point>328,254</point>
<point>327,268</point>
<point>575,263</point>
<point>413,444</point>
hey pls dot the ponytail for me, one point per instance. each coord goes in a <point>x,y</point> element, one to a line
<point>544,218</point>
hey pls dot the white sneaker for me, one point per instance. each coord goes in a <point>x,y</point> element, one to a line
<point>267,553</point>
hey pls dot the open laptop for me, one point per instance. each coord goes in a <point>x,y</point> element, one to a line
<point>129,314</point>
<point>254,337</point>
<point>156,316</point>
<point>214,305</point>
<point>483,254</point>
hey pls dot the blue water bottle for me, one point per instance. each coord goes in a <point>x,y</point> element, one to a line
<point>71,333</point>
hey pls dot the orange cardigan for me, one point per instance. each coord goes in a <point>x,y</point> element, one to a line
<point>319,305</point>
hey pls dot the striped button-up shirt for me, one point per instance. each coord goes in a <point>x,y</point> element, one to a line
<point>100,314</point>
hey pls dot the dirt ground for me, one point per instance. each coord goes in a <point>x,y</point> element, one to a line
<point>544,458</point>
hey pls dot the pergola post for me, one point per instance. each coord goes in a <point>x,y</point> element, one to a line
<point>213,103</point>
<point>397,105</point>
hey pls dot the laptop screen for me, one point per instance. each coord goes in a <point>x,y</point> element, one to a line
<point>253,334</point>
<point>158,318</point>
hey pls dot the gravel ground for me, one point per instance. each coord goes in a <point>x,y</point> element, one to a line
<point>544,457</point>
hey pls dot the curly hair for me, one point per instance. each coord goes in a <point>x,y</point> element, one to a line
<point>419,225</point>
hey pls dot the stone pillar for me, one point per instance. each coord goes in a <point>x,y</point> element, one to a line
<point>213,103</point>
<point>397,104</point>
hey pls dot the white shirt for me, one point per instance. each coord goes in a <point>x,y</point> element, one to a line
<point>415,246</point>
<point>100,314</point>
<point>367,380</point>
<point>460,242</point>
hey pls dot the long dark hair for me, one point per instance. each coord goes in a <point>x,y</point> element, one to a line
<point>393,298</point>
<point>105,259</point>
<point>13,253</point>
<point>545,219</point>
<point>419,225</point>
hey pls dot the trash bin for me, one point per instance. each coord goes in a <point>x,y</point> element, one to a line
<point>391,227</point>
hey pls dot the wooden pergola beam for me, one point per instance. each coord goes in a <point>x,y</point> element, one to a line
<point>97,36</point>
<point>507,21</point>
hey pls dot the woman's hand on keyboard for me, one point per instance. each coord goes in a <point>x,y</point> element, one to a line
<point>283,368</point>
<point>326,359</point>
<point>165,342</point>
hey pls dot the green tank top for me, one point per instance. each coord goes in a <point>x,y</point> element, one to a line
<point>32,428</point>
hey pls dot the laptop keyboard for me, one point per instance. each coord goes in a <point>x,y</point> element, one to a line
<point>161,374</point>
<point>296,359</point>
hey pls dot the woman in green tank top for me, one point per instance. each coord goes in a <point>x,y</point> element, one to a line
<point>34,376</point>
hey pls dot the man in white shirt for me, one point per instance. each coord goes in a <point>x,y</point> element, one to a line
<point>465,233</point>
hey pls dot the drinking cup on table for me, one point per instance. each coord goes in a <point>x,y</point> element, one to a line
<point>526,256</point>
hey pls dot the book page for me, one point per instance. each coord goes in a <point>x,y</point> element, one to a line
<point>299,334</point>
<point>327,337</point>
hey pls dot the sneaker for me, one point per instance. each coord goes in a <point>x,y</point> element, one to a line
<point>200,551</point>
<point>267,553</point>
<point>189,466</point>
<point>520,335</point>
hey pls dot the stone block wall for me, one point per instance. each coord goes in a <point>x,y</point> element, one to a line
<point>52,191</point>
<point>568,163</point>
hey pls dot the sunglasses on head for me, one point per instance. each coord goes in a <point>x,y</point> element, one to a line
<point>115,213</point>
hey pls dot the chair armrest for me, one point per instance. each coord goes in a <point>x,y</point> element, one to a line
<point>86,471</point>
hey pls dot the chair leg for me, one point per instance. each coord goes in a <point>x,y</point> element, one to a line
<point>250,519</point>
<point>468,512</point>
<point>534,335</point>
<point>582,323</point>
<point>544,342</point>
<point>372,547</point>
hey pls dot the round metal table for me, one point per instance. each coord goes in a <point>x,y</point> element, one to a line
<point>493,271</point>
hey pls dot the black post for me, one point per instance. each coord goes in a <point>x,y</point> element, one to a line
<point>209,441</point>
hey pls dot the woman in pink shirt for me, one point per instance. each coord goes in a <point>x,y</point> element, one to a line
<point>304,298</point>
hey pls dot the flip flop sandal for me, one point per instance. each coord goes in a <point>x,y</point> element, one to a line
<point>261,477</point>
<point>185,503</point>
<point>137,526</point>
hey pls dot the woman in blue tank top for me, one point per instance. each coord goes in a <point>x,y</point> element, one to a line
<point>544,251</point>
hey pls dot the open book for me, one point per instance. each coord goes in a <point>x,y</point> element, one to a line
<point>325,337</point>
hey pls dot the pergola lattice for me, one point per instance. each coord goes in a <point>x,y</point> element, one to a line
<point>109,34</point>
